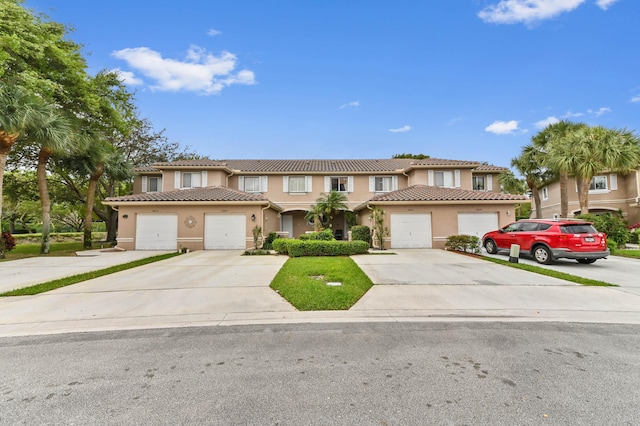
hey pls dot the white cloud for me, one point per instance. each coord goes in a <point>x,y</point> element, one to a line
<point>454,121</point>
<point>635,99</point>
<point>402,129</point>
<point>200,72</point>
<point>527,11</point>
<point>213,32</point>
<point>502,127</point>
<point>605,4</point>
<point>354,104</point>
<point>570,114</point>
<point>544,123</point>
<point>127,77</point>
<point>600,111</point>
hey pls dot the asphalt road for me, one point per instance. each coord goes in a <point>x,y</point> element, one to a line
<point>321,374</point>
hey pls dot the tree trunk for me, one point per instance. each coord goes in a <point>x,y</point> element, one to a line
<point>112,225</point>
<point>45,200</point>
<point>3,163</point>
<point>88,218</point>
<point>564,195</point>
<point>583,194</point>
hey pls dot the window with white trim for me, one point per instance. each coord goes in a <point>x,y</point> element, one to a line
<point>479,183</point>
<point>297,184</point>
<point>598,183</point>
<point>545,193</point>
<point>444,179</point>
<point>252,184</point>
<point>340,184</point>
<point>154,184</point>
<point>383,184</point>
<point>191,180</point>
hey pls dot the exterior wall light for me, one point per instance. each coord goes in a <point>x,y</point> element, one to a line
<point>253,217</point>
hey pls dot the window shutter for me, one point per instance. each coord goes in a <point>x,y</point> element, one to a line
<point>394,183</point>
<point>263,183</point>
<point>372,184</point>
<point>489,182</point>
<point>350,184</point>
<point>205,181</point>
<point>144,184</point>
<point>456,181</point>
<point>240,183</point>
<point>307,183</point>
<point>327,183</point>
<point>613,180</point>
<point>176,174</point>
<point>430,178</point>
<point>160,188</point>
<point>285,183</point>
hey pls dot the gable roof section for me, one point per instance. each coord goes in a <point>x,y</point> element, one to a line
<point>208,194</point>
<point>489,168</point>
<point>425,193</point>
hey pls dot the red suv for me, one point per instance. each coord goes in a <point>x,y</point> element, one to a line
<point>548,240</point>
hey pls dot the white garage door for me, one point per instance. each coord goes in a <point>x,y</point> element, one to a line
<point>477,224</point>
<point>157,232</point>
<point>411,230</point>
<point>225,231</point>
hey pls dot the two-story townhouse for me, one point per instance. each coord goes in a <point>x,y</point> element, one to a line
<point>215,204</point>
<point>608,193</point>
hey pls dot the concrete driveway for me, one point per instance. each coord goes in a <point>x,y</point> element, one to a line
<point>622,271</point>
<point>437,283</point>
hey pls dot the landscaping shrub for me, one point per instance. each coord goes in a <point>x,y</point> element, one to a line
<point>9,241</point>
<point>464,243</point>
<point>280,245</point>
<point>268,241</point>
<point>324,235</point>
<point>612,245</point>
<point>613,225</point>
<point>256,252</point>
<point>361,233</point>
<point>298,248</point>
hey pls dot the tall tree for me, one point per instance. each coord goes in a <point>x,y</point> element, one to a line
<point>550,135</point>
<point>330,203</point>
<point>530,164</point>
<point>510,184</point>
<point>591,150</point>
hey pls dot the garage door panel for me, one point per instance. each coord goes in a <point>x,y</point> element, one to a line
<point>156,232</point>
<point>225,232</point>
<point>477,224</point>
<point>411,231</point>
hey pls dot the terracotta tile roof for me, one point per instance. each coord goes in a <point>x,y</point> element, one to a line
<point>146,169</point>
<point>433,193</point>
<point>205,162</point>
<point>211,193</point>
<point>490,168</point>
<point>314,166</point>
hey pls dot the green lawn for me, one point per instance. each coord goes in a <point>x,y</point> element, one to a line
<point>634,254</point>
<point>303,282</point>
<point>66,248</point>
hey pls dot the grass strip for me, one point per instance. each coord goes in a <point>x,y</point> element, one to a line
<point>302,281</point>
<point>551,273</point>
<point>633,254</point>
<point>74,279</point>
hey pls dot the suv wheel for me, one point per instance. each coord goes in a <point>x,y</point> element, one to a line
<point>490,246</point>
<point>542,255</point>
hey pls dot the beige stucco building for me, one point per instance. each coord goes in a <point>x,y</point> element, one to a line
<point>216,204</point>
<point>608,193</point>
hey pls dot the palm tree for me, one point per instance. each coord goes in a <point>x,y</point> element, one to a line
<point>330,203</point>
<point>20,113</point>
<point>54,134</point>
<point>530,165</point>
<point>591,150</point>
<point>315,216</point>
<point>554,134</point>
<point>510,184</point>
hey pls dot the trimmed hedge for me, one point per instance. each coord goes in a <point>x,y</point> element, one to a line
<point>361,233</point>
<point>324,235</point>
<point>299,248</point>
<point>465,243</point>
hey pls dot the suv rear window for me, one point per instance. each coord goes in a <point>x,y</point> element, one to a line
<point>578,228</point>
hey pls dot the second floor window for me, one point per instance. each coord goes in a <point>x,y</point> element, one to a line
<point>478,183</point>
<point>191,180</point>
<point>598,183</point>
<point>545,193</point>
<point>297,184</point>
<point>339,184</point>
<point>252,183</point>
<point>444,179</point>
<point>154,184</point>
<point>383,183</point>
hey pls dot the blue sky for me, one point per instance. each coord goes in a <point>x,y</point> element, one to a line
<point>455,79</point>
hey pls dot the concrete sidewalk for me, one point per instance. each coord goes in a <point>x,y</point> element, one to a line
<point>210,288</point>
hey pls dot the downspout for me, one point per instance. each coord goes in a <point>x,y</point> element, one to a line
<point>262,219</point>
<point>226,182</point>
